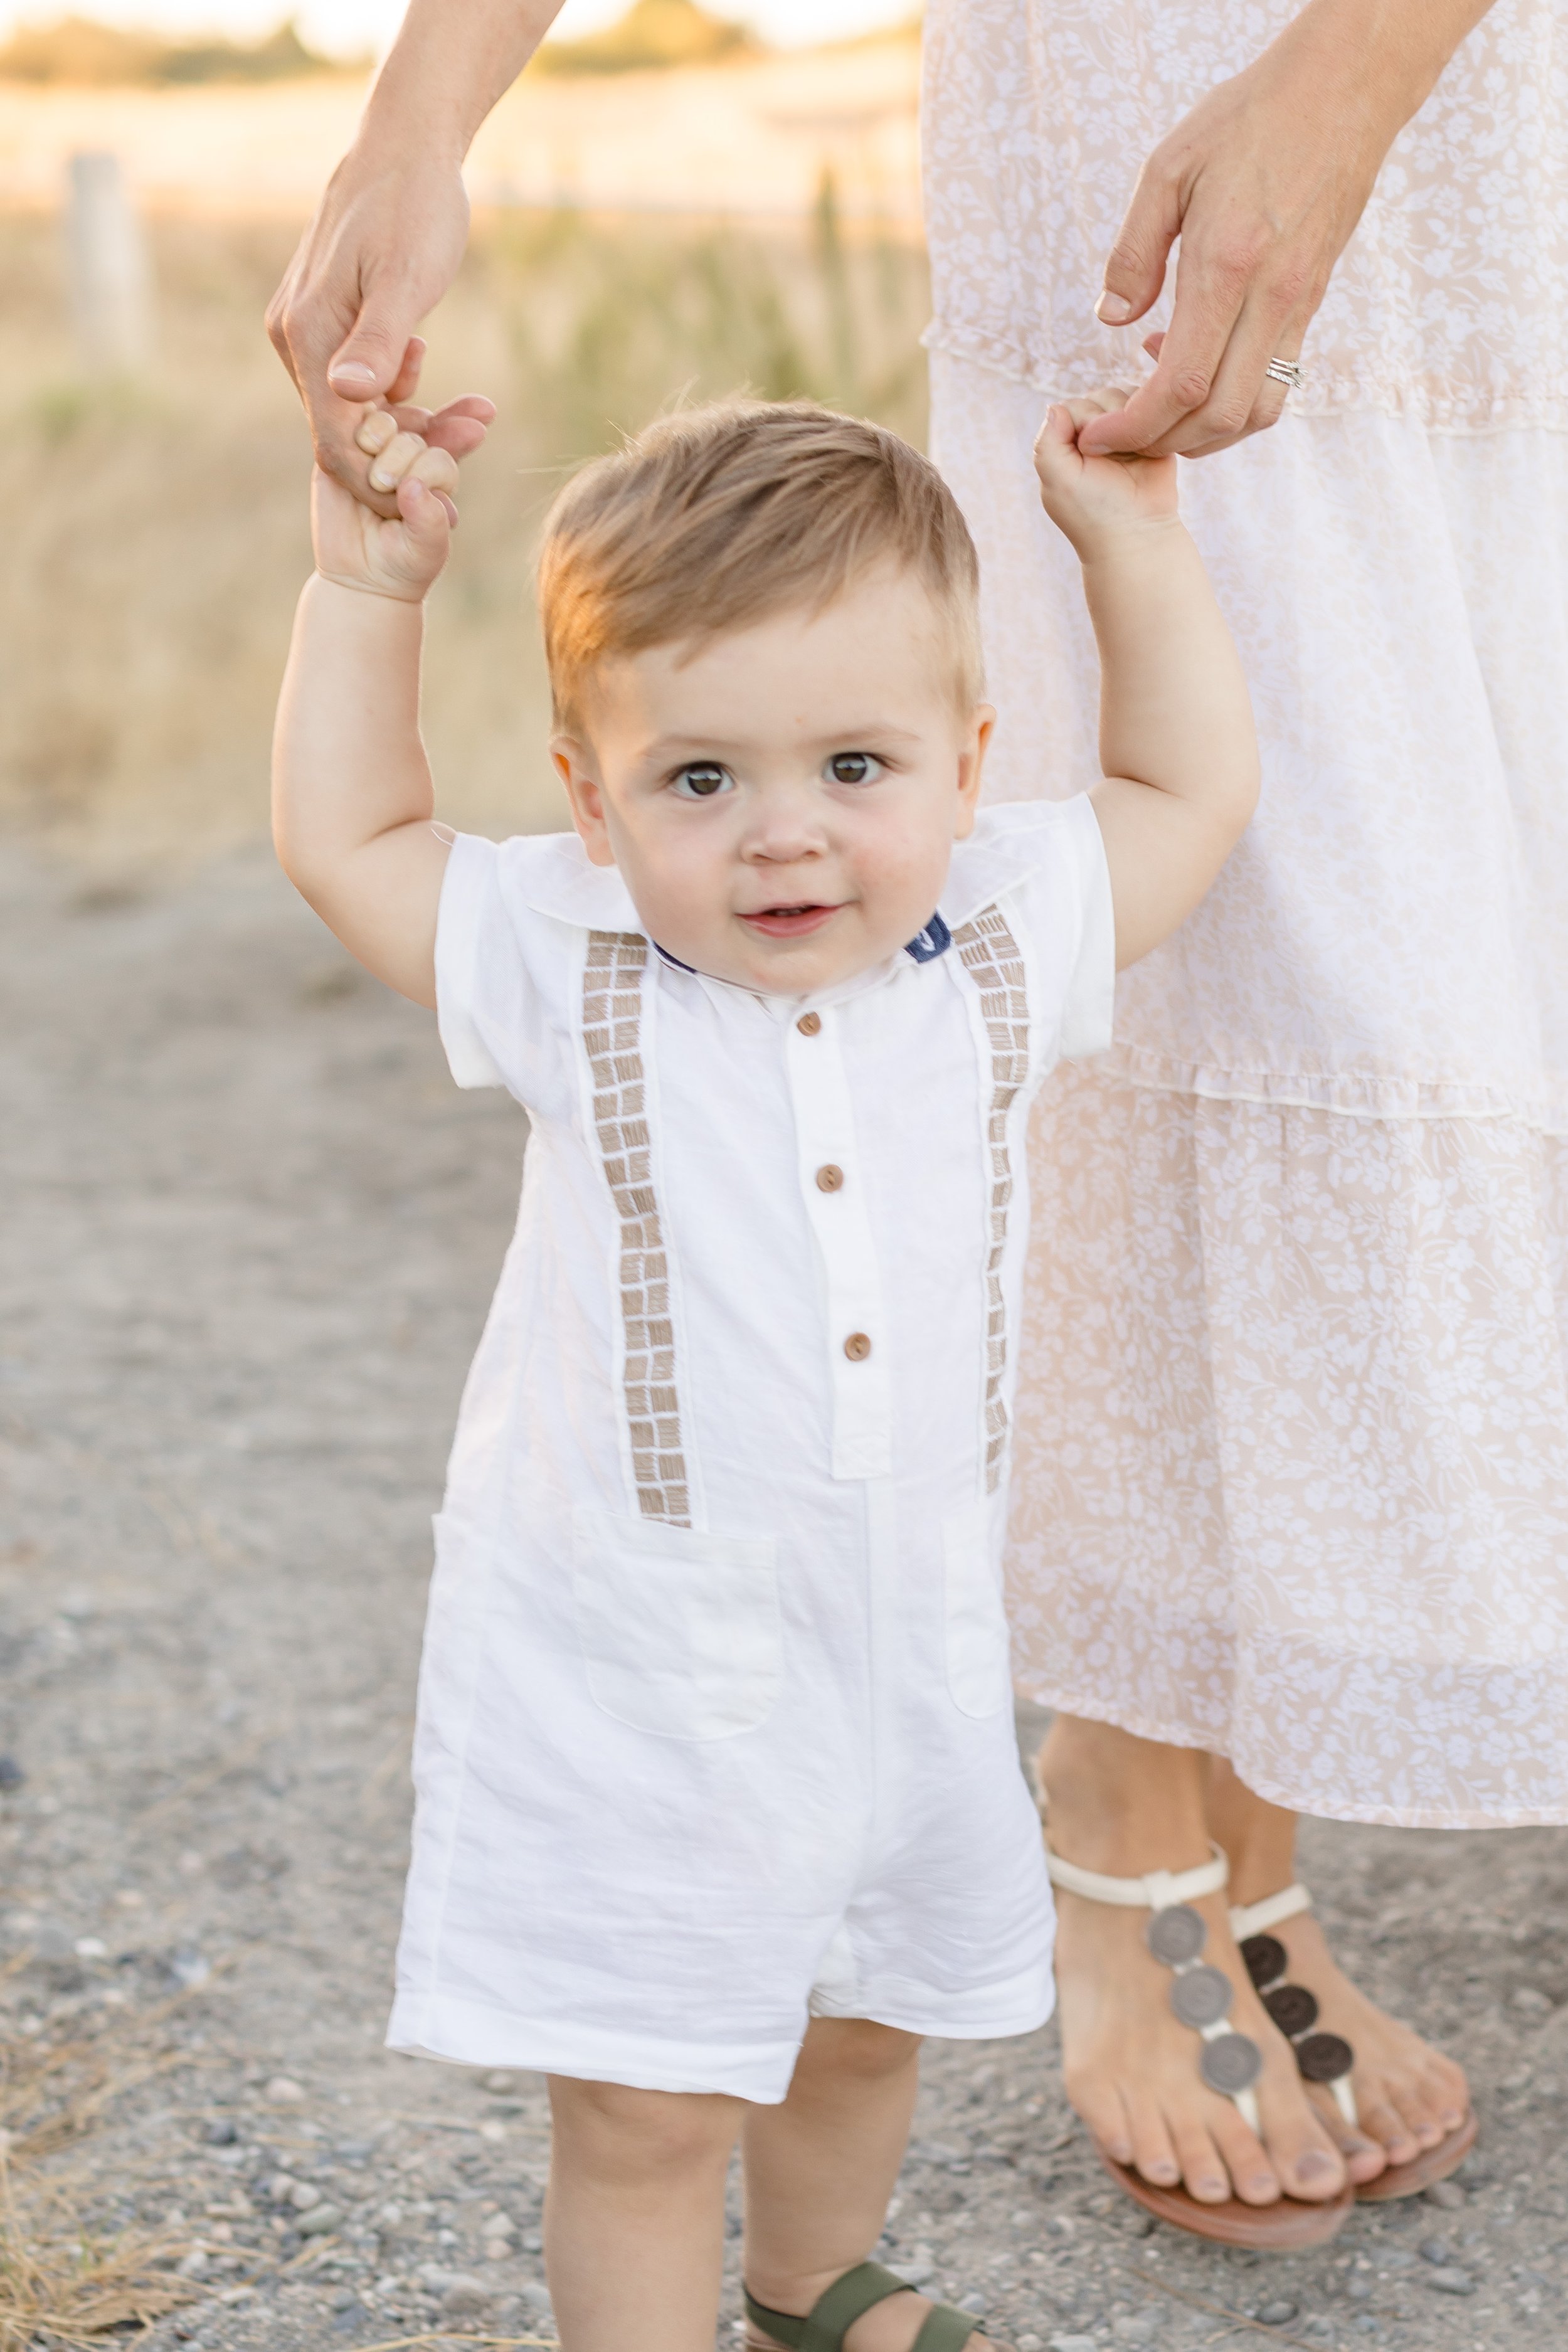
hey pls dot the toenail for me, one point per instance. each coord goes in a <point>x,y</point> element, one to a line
<point>1314,2165</point>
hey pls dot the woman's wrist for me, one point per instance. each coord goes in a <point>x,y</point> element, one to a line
<point>1381,58</point>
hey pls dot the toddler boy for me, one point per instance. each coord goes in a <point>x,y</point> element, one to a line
<point>719,1808</point>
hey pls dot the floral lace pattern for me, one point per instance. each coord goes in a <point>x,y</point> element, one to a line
<point>1291,1454</point>
<point>1446,305</point>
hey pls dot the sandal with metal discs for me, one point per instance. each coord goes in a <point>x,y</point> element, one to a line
<point>833,2315</point>
<point>1229,2063</point>
<point>1328,2058</point>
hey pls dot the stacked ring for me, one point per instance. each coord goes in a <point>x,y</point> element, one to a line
<point>1286,373</point>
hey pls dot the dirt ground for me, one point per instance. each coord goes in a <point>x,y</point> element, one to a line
<point>249,1236</point>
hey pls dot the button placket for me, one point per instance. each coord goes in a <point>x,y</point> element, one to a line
<point>837,1211</point>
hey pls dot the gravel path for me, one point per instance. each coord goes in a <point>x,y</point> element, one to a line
<point>250,1230</point>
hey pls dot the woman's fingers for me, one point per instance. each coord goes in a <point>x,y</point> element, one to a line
<point>1136,268</point>
<point>1209,297</point>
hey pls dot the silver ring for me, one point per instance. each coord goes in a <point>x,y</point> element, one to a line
<point>1286,373</point>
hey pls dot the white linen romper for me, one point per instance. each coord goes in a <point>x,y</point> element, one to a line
<point>714,1712</point>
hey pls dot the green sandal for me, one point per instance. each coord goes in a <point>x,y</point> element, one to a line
<point>833,2315</point>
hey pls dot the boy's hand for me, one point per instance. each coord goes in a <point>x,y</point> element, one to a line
<point>1089,497</point>
<point>399,557</point>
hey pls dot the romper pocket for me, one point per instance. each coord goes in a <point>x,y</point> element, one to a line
<point>978,1671</point>
<point>680,1632</point>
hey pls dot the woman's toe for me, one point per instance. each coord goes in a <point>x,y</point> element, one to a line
<point>1255,2179</point>
<point>1382,2120</point>
<point>1204,2170</point>
<point>1153,2152</point>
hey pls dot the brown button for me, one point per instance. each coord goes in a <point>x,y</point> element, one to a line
<point>829,1178</point>
<point>809,1023</point>
<point>856,1347</point>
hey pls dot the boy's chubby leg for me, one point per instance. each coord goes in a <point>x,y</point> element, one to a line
<point>820,2170</point>
<point>633,2223</point>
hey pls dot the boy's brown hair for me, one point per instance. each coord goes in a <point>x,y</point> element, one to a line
<point>715,518</point>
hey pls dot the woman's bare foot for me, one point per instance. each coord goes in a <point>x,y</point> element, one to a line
<point>1407,2095</point>
<point>1127,1806</point>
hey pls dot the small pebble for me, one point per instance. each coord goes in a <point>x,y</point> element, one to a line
<point>320,2221</point>
<point>196,2265</point>
<point>346,2299</point>
<point>1452,2281</point>
<point>1531,2003</point>
<point>535,2293</point>
<point>1073,2344</point>
<point>1447,2195</point>
<point>302,2195</point>
<point>465,2298</point>
<point>11,1773</point>
<point>1277,2313</point>
<point>500,2082</point>
<point>285,2090</point>
<point>222,2133</point>
<point>189,1967</point>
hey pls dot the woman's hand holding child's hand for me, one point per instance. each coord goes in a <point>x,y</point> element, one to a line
<point>400,556</point>
<point>1088,495</point>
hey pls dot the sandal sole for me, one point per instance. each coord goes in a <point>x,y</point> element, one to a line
<point>1432,2164</point>
<point>1285,2226</point>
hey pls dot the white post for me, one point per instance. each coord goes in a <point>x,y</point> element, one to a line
<point>109,280</point>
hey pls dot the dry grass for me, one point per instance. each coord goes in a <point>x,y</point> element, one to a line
<point>59,2282</point>
<point>158,529</point>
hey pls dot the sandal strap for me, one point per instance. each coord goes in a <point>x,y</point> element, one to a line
<point>1156,1892</point>
<point>833,2315</point>
<point>1257,1918</point>
<point>946,2330</point>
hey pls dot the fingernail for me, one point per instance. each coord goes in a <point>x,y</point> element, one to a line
<point>1113,309</point>
<point>351,372</point>
<point>381,480</point>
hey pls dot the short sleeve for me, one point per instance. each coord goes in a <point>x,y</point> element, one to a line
<point>484,995</point>
<point>1088,1007</point>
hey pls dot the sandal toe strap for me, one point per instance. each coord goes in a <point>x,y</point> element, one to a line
<point>946,2330</point>
<point>833,2315</point>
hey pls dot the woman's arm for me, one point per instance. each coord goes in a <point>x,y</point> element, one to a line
<point>389,233</point>
<point>1264,182</point>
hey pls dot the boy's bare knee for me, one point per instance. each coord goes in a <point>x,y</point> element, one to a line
<point>857,2046</point>
<point>628,2134</point>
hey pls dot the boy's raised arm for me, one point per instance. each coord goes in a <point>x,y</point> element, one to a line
<point>1176,736</point>
<point>352,798</point>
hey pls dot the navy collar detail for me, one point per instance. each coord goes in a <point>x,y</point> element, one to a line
<point>933,941</point>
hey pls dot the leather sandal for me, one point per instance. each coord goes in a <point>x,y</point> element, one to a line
<point>1328,2058</point>
<point>833,2315</point>
<point>1229,2063</point>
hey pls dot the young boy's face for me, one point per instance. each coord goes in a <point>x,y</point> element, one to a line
<point>782,803</point>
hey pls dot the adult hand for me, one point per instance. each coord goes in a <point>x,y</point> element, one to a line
<point>1263,182</point>
<point>382,248</point>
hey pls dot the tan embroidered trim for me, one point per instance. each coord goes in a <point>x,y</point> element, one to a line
<point>612,1031</point>
<point>990,952</point>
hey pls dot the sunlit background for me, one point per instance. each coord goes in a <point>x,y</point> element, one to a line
<point>671,203</point>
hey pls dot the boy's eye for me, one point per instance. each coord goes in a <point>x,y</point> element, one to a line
<point>853,767</point>
<point>702,779</point>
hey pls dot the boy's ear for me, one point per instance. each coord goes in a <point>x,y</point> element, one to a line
<point>573,764</point>
<point>971,762</point>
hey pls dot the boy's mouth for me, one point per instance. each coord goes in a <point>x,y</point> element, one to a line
<point>789,922</point>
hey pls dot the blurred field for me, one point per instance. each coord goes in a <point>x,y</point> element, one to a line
<point>158,528</point>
